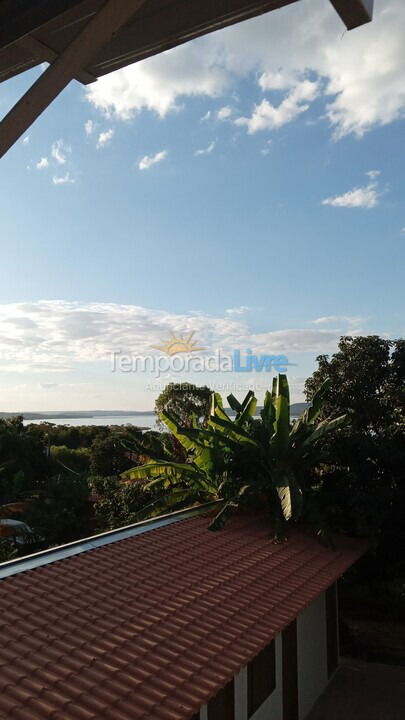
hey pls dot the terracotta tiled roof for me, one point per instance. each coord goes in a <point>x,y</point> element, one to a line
<point>151,627</point>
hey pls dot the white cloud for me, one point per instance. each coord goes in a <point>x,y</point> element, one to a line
<point>42,163</point>
<point>26,140</point>
<point>224,113</point>
<point>149,160</point>
<point>373,174</point>
<point>206,116</point>
<point>65,179</point>
<point>360,73</point>
<point>89,127</point>
<point>266,116</point>
<point>278,80</point>
<point>59,151</point>
<point>241,310</point>
<point>105,138</point>
<point>157,83</point>
<point>291,340</point>
<point>348,320</point>
<point>206,151</point>
<point>54,336</point>
<point>361,197</point>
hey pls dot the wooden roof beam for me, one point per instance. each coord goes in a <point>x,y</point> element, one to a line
<point>354,12</point>
<point>100,28</point>
<point>19,17</point>
<point>34,46</point>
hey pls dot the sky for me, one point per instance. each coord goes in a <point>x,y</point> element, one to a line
<point>247,186</point>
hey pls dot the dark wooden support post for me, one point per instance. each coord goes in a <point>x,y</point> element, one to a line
<point>332,637</point>
<point>290,672</point>
<point>222,706</point>
<point>261,677</point>
<point>354,12</point>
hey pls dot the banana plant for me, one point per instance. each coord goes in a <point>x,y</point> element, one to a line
<point>205,475</point>
<point>245,461</point>
<point>294,447</point>
<point>182,484</point>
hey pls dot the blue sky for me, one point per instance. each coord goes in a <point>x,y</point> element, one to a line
<point>247,186</point>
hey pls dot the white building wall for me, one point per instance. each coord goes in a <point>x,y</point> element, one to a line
<point>241,695</point>
<point>273,706</point>
<point>312,669</point>
<point>312,655</point>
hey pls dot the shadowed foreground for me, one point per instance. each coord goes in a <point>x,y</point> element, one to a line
<point>363,691</point>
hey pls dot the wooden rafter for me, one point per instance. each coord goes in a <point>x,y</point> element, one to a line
<point>110,34</point>
<point>18,17</point>
<point>354,12</point>
<point>48,54</point>
<point>67,65</point>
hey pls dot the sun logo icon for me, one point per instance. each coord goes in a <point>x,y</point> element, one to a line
<point>178,344</point>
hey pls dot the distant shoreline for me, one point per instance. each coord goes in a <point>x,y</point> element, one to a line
<point>295,408</point>
<point>73,414</point>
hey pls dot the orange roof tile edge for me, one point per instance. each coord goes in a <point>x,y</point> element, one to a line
<point>151,627</point>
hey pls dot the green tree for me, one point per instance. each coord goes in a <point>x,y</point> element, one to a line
<point>110,456</point>
<point>23,462</point>
<point>73,437</point>
<point>67,459</point>
<point>367,376</point>
<point>117,502</point>
<point>185,401</point>
<point>7,551</point>
<point>364,487</point>
<point>60,510</point>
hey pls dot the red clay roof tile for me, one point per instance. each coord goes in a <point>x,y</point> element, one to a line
<point>151,627</point>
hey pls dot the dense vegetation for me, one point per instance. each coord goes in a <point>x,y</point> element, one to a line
<point>349,476</point>
<point>59,480</point>
<point>250,462</point>
<point>363,486</point>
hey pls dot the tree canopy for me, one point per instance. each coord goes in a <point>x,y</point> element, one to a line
<point>184,400</point>
<point>363,484</point>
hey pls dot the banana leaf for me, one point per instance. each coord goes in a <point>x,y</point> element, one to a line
<point>234,404</point>
<point>281,402</point>
<point>234,433</point>
<point>248,411</point>
<point>311,413</point>
<point>325,427</point>
<point>175,500</point>
<point>155,469</point>
<point>219,521</point>
<point>217,409</point>
<point>267,413</point>
<point>173,427</point>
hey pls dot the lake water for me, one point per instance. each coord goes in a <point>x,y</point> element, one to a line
<point>144,421</point>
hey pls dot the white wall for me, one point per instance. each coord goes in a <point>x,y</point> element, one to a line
<point>273,706</point>
<point>241,695</point>
<point>312,655</point>
<point>312,669</point>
